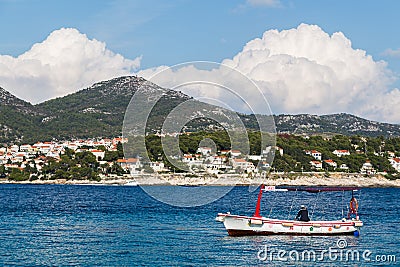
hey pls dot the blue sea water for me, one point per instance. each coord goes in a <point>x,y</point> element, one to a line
<point>71,225</point>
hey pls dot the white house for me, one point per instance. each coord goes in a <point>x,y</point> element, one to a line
<point>395,162</point>
<point>343,167</point>
<point>341,152</point>
<point>367,168</point>
<point>219,160</point>
<point>106,142</point>
<point>45,149</point>
<point>14,148</point>
<point>268,149</point>
<point>53,154</point>
<point>18,157</point>
<point>235,153</point>
<point>187,158</point>
<point>331,163</point>
<point>130,164</point>
<point>191,160</point>
<point>263,165</point>
<point>204,150</point>
<point>25,148</point>
<point>391,154</point>
<point>72,146</point>
<point>280,150</point>
<point>314,153</point>
<point>217,163</point>
<point>99,154</point>
<point>254,157</point>
<point>117,140</point>
<point>3,159</point>
<point>242,164</point>
<point>157,166</point>
<point>316,164</point>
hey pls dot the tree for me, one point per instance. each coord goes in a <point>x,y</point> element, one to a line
<point>110,156</point>
<point>60,174</point>
<point>148,169</point>
<point>2,169</point>
<point>120,150</point>
<point>115,168</point>
<point>355,161</point>
<point>18,175</point>
<point>102,148</point>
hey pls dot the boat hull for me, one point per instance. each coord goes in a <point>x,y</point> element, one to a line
<point>245,226</point>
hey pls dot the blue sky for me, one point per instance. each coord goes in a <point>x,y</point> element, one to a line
<point>170,32</point>
<point>152,33</point>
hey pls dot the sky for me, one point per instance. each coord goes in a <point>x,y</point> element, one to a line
<point>306,56</point>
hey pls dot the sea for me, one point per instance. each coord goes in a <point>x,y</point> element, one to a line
<point>83,225</point>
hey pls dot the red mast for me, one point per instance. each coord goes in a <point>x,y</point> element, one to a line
<point>257,213</point>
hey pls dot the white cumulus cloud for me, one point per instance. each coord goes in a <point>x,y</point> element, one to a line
<point>63,63</point>
<point>306,70</point>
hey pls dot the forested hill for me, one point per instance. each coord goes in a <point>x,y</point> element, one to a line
<point>98,111</point>
<point>342,123</point>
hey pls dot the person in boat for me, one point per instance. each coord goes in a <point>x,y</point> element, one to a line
<point>302,215</point>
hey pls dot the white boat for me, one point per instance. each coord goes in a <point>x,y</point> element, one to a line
<point>238,225</point>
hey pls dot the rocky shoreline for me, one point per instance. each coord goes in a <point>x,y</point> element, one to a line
<point>315,179</point>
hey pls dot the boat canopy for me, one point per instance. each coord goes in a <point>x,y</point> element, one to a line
<point>309,189</point>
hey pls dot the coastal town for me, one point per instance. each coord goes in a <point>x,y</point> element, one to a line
<point>97,159</point>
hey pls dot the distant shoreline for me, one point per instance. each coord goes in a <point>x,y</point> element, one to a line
<point>293,179</point>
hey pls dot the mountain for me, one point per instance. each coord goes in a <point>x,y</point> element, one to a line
<point>17,117</point>
<point>342,123</point>
<point>99,111</point>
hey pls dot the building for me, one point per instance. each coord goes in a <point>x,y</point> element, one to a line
<point>191,160</point>
<point>395,162</point>
<point>216,164</point>
<point>25,148</point>
<point>235,153</point>
<point>280,150</point>
<point>14,148</point>
<point>242,165</point>
<point>224,152</point>
<point>268,150</point>
<point>367,168</point>
<point>130,164</point>
<point>263,165</point>
<point>157,166</point>
<point>343,167</point>
<point>254,157</point>
<point>340,153</point>
<point>204,150</point>
<point>99,154</point>
<point>391,154</point>
<point>330,163</point>
<point>315,164</point>
<point>314,153</point>
<point>121,140</point>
